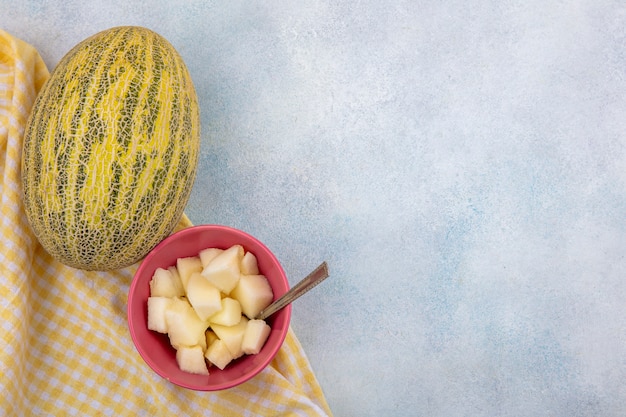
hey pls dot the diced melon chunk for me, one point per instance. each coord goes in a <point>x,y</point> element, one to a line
<point>254,337</point>
<point>157,306</point>
<point>249,264</point>
<point>210,337</point>
<point>223,270</point>
<point>218,354</point>
<point>186,267</point>
<point>229,315</point>
<point>175,275</point>
<point>232,336</point>
<point>204,297</point>
<point>254,293</point>
<point>202,343</point>
<point>165,284</point>
<point>208,254</point>
<point>184,327</point>
<point>191,359</point>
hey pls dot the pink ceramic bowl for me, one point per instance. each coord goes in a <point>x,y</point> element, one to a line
<point>155,347</point>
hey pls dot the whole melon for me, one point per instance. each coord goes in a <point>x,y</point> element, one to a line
<point>111,149</point>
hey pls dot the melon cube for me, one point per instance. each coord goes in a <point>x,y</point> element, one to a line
<point>229,315</point>
<point>186,267</point>
<point>203,296</point>
<point>232,336</point>
<point>210,337</point>
<point>249,265</point>
<point>254,293</point>
<point>157,306</point>
<point>175,275</point>
<point>165,284</point>
<point>254,337</point>
<point>191,359</point>
<point>184,327</point>
<point>202,343</point>
<point>208,254</point>
<point>223,271</point>
<point>218,354</point>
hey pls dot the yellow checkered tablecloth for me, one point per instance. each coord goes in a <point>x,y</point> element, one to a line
<point>65,348</point>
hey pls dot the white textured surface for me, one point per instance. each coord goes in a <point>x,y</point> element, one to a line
<point>460,165</point>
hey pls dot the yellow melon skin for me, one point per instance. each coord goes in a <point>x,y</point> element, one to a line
<point>111,149</point>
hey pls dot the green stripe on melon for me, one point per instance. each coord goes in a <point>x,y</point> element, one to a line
<point>111,150</point>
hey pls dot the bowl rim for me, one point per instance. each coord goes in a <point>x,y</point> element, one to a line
<point>131,309</point>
